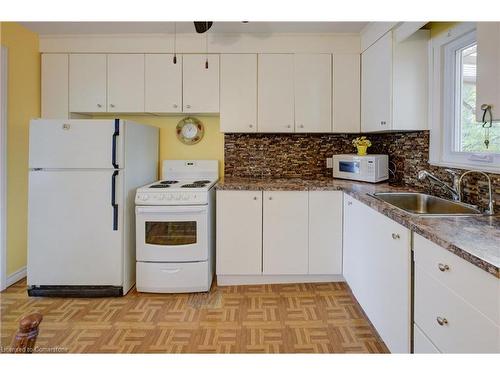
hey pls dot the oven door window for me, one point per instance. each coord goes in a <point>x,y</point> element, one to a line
<point>171,233</point>
<point>349,166</point>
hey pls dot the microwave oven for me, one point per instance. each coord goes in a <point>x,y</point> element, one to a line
<point>369,168</point>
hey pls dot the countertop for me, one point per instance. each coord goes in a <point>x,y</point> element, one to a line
<point>473,238</point>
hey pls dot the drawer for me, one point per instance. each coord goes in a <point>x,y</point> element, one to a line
<point>173,277</point>
<point>465,330</point>
<point>473,284</point>
<point>421,344</point>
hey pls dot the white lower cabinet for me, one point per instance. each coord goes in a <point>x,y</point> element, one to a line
<point>325,232</point>
<point>457,305</point>
<point>377,267</point>
<point>421,343</point>
<point>279,236</point>
<point>239,232</point>
<point>285,233</point>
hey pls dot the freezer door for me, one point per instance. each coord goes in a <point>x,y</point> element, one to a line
<point>76,144</point>
<point>74,237</point>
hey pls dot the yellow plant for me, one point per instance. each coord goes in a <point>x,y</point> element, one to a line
<point>361,141</point>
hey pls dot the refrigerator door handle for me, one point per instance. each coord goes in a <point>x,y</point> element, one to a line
<point>115,136</point>
<point>113,200</point>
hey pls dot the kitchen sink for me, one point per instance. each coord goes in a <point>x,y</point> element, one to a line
<point>427,205</point>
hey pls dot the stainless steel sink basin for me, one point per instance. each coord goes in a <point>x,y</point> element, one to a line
<point>427,205</point>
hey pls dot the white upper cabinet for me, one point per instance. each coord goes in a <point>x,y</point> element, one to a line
<point>376,100</point>
<point>276,93</point>
<point>346,93</point>
<point>55,70</point>
<point>394,83</point>
<point>200,84</point>
<point>238,93</point>
<point>488,68</point>
<point>126,83</point>
<point>87,83</point>
<point>313,93</point>
<point>285,233</point>
<point>163,83</point>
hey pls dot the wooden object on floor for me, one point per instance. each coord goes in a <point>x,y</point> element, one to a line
<point>25,338</point>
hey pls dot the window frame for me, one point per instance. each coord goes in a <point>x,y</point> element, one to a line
<point>443,98</point>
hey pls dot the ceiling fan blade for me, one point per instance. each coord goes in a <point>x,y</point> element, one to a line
<point>202,26</point>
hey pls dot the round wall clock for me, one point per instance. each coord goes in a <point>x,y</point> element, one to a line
<point>190,130</point>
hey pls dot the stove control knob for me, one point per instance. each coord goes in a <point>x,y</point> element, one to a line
<point>185,197</point>
<point>169,197</point>
<point>163,197</point>
<point>177,197</point>
<point>144,197</point>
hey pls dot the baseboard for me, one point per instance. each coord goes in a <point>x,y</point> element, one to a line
<point>275,279</point>
<point>16,276</point>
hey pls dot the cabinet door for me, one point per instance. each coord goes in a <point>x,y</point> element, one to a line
<point>285,233</point>
<point>239,232</point>
<point>163,83</point>
<point>313,93</point>
<point>238,93</point>
<point>325,232</point>
<point>55,69</point>
<point>376,265</point>
<point>200,84</point>
<point>376,86</point>
<point>488,68</point>
<point>126,83</point>
<point>275,93</point>
<point>346,93</point>
<point>87,83</point>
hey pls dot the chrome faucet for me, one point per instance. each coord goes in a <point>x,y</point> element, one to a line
<point>454,190</point>
<point>490,210</point>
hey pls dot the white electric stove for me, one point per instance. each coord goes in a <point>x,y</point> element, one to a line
<point>175,228</point>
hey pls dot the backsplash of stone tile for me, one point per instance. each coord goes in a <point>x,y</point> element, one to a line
<point>304,156</point>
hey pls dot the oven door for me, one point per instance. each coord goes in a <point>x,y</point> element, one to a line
<point>171,233</point>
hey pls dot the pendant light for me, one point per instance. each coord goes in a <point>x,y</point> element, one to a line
<point>175,42</point>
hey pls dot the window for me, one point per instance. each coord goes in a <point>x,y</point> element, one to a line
<point>457,139</point>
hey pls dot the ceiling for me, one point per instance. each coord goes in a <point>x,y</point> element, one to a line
<point>45,28</point>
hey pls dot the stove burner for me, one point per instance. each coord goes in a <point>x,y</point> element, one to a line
<point>159,186</point>
<point>193,185</point>
<point>168,182</point>
<point>201,182</point>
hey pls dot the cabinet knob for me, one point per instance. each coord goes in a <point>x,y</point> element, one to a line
<point>254,198</point>
<point>382,122</point>
<point>188,106</point>
<point>289,126</point>
<point>270,198</point>
<point>99,105</point>
<point>112,105</point>
<point>175,106</point>
<point>301,126</point>
<point>250,126</point>
<point>443,267</point>
<point>395,236</point>
<point>442,321</point>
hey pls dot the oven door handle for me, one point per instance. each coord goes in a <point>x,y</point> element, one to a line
<point>171,210</point>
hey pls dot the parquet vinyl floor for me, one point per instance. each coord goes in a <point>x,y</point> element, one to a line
<point>287,318</point>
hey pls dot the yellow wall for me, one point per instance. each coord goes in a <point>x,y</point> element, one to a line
<point>23,104</point>
<point>210,147</point>
<point>438,28</point>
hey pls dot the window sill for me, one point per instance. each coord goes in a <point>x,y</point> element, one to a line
<point>475,167</point>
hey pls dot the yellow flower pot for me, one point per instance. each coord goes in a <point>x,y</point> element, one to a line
<point>362,150</point>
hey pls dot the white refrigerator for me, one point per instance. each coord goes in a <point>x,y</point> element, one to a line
<point>81,224</point>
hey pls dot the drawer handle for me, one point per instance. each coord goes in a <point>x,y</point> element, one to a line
<point>395,236</point>
<point>443,267</point>
<point>441,321</point>
<point>170,270</point>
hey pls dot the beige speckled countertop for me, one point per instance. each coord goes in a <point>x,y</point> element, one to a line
<point>473,238</point>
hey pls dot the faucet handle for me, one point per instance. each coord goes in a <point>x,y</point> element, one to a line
<point>452,172</point>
